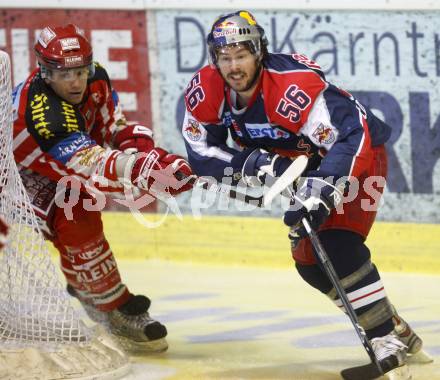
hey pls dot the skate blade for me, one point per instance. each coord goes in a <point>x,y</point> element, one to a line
<point>142,348</point>
<point>399,373</point>
<point>421,357</point>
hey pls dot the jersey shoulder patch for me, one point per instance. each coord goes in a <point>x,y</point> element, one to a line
<point>204,95</point>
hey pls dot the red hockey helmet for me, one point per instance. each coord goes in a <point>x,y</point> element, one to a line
<point>63,47</point>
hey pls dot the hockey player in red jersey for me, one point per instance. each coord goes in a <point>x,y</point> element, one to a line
<point>68,122</point>
<point>277,106</point>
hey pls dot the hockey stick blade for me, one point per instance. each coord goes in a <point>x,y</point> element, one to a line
<point>362,372</point>
<point>369,371</point>
<point>286,179</point>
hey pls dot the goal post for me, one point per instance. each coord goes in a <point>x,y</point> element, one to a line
<point>41,334</point>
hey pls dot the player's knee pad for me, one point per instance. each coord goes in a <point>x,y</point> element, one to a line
<point>314,276</point>
<point>345,250</point>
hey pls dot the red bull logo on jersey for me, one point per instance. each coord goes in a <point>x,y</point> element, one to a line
<point>259,131</point>
<point>193,131</point>
<point>324,135</point>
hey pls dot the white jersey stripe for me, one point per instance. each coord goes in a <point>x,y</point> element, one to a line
<point>20,138</point>
<point>55,167</point>
<point>31,157</point>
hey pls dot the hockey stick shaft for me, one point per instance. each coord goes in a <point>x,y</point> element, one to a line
<point>334,279</point>
<point>286,179</point>
<point>230,192</point>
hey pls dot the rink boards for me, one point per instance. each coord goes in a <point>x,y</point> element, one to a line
<point>236,309</point>
<point>395,247</point>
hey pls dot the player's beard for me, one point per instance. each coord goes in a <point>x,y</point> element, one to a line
<point>249,84</point>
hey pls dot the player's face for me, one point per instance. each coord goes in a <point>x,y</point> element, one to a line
<point>238,67</point>
<point>69,84</point>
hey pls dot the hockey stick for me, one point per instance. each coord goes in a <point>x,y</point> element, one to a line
<point>231,193</point>
<point>374,369</point>
<point>292,173</point>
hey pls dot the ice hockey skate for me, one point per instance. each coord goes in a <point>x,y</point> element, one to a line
<point>392,356</point>
<point>131,323</point>
<point>391,350</point>
<point>416,354</point>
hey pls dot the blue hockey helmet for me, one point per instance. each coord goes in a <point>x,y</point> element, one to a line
<point>236,28</point>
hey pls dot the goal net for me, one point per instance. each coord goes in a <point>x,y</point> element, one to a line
<point>41,335</point>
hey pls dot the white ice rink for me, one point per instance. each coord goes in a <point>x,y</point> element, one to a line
<point>229,322</point>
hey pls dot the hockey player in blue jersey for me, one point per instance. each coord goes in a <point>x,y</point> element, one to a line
<point>278,106</point>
